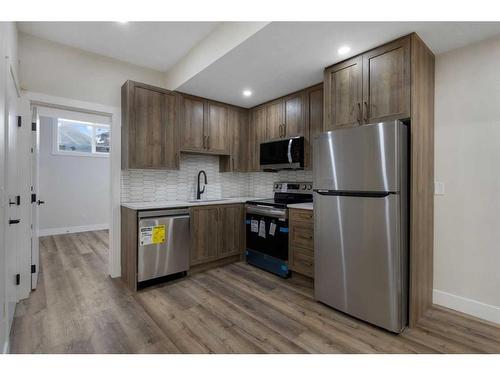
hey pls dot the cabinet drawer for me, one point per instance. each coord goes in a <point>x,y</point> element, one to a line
<point>302,261</point>
<point>301,215</point>
<point>302,234</point>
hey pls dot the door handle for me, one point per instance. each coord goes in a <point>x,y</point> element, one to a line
<point>14,221</point>
<point>39,202</point>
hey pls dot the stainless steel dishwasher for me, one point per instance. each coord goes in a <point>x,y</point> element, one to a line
<point>163,243</point>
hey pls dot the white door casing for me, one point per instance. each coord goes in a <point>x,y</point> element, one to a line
<point>35,201</point>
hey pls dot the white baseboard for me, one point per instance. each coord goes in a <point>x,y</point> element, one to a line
<point>77,229</point>
<point>468,306</point>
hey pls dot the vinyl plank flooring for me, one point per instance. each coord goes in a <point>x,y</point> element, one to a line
<point>235,308</point>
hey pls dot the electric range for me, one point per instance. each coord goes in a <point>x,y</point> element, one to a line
<point>267,226</point>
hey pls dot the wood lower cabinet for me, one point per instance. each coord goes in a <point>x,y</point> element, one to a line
<point>232,229</point>
<point>301,242</point>
<point>204,224</point>
<point>216,232</point>
<point>150,126</point>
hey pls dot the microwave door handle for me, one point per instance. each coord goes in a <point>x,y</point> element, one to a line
<point>290,151</point>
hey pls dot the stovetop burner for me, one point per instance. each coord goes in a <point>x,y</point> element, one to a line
<point>286,193</point>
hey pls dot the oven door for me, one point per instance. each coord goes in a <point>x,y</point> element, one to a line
<point>283,154</point>
<point>267,231</point>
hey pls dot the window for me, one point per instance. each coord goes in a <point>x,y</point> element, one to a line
<point>73,137</point>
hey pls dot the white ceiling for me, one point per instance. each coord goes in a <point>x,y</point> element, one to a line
<point>280,58</point>
<point>155,45</point>
<point>287,56</point>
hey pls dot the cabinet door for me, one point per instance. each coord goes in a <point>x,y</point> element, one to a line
<point>240,142</point>
<point>216,128</point>
<point>153,130</point>
<point>204,223</point>
<point>386,82</point>
<point>343,94</point>
<point>274,119</point>
<point>294,123</point>
<point>257,134</point>
<point>232,229</point>
<point>315,120</point>
<point>192,125</point>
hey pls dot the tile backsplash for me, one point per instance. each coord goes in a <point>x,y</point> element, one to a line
<point>142,185</point>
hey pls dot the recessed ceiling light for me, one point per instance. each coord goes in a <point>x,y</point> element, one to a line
<point>122,21</point>
<point>343,50</point>
<point>247,93</point>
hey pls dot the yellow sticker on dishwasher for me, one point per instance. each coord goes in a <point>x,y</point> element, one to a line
<point>159,234</point>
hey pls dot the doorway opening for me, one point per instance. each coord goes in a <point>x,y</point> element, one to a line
<point>70,183</point>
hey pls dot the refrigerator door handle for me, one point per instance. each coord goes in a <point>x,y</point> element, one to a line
<point>369,194</point>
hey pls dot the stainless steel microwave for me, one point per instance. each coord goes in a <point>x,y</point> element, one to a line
<point>281,154</point>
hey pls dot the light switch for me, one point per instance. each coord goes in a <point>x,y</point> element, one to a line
<point>438,188</point>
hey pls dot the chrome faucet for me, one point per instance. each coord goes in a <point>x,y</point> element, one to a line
<point>198,191</point>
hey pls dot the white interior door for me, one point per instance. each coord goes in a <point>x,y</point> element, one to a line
<point>12,227</point>
<point>3,200</point>
<point>35,200</point>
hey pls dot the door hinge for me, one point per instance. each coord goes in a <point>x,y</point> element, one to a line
<point>18,279</point>
<point>33,198</point>
<point>33,126</point>
<point>19,121</point>
<point>33,268</point>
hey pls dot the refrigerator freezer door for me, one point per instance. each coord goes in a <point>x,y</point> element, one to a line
<point>361,264</point>
<point>163,257</point>
<point>364,158</point>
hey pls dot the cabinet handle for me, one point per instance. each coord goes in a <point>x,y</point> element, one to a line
<point>359,112</point>
<point>208,141</point>
<point>232,160</point>
<point>284,130</point>
<point>366,110</point>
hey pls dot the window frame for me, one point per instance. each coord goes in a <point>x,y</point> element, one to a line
<point>92,154</point>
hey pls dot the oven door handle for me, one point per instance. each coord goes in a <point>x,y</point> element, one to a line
<point>266,211</point>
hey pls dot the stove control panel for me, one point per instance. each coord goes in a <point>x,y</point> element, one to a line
<point>293,187</point>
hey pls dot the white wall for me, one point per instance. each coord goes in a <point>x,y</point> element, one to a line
<point>467,160</point>
<point>58,70</point>
<point>75,188</point>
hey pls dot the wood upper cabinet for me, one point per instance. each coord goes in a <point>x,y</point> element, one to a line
<point>314,100</point>
<point>285,117</point>
<point>372,87</point>
<point>192,124</point>
<point>257,134</point>
<point>387,82</point>
<point>274,119</point>
<point>149,127</point>
<point>343,94</point>
<point>232,229</point>
<point>216,232</point>
<point>239,141</point>
<point>204,223</point>
<point>216,131</point>
<point>294,115</point>
<point>204,126</point>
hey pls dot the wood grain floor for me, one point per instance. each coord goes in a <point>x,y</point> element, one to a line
<point>232,309</point>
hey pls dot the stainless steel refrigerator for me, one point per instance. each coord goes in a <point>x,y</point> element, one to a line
<point>361,222</point>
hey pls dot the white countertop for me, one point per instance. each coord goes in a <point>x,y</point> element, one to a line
<point>302,206</point>
<point>173,204</point>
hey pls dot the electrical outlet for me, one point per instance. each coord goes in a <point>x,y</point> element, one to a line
<point>438,188</point>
